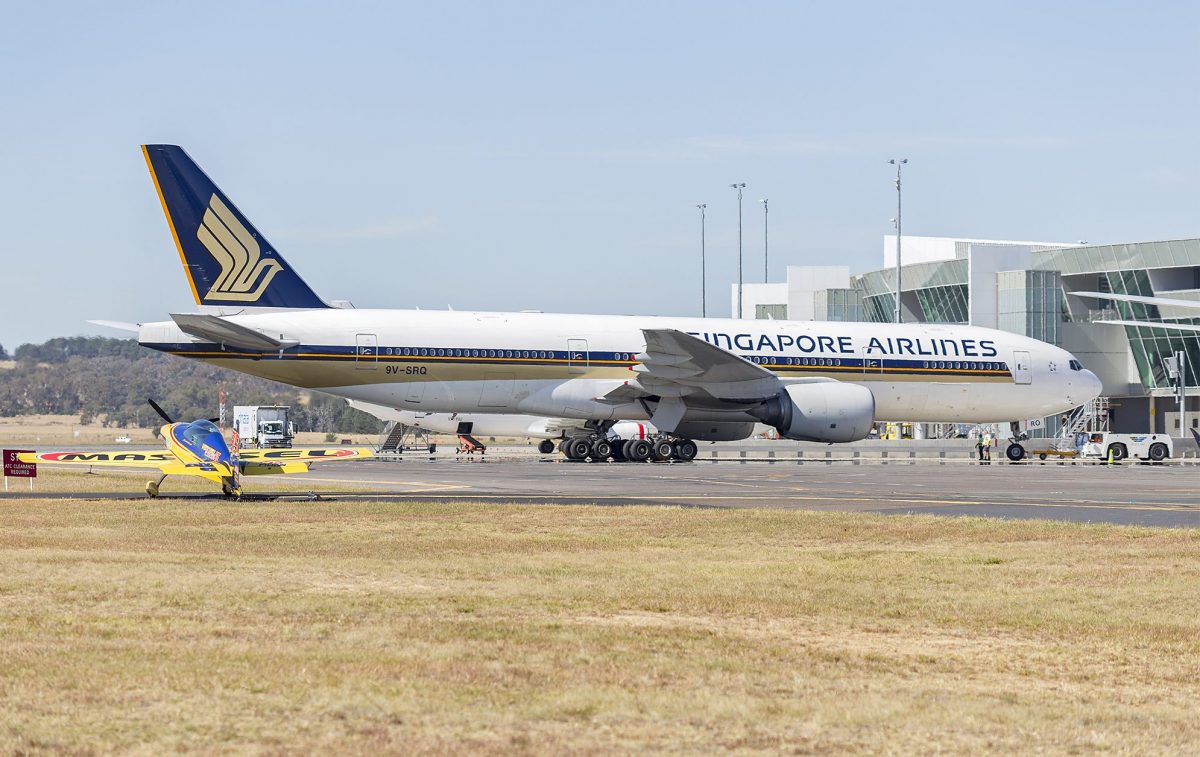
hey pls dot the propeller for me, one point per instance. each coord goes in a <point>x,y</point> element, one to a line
<point>162,413</point>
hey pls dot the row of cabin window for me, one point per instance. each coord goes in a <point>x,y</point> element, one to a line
<point>822,361</point>
<point>440,352</point>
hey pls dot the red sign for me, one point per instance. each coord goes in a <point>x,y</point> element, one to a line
<point>17,469</point>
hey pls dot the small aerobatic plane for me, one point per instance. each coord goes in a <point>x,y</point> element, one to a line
<point>199,449</point>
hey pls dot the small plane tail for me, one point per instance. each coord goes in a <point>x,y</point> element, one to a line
<point>1196,434</point>
<point>227,261</point>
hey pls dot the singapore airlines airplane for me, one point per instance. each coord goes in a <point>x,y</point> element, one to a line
<point>693,378</point>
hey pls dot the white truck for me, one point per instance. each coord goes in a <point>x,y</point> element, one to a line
<point>263,426</point>
<point>1153,447</point>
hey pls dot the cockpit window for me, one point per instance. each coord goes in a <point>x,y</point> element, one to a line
<point>1076,365</point>
<point>198,431</point>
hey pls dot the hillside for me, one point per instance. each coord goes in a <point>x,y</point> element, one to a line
<point>109,380</point>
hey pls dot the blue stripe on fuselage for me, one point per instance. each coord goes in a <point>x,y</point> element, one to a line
<point>460,356</point>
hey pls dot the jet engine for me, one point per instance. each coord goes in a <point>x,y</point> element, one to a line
<point>827,411</point>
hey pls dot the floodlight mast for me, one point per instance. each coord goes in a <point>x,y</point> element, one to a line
<point>703,285</point>
<point>739,187</point>
<point>766,266</point>
<point>898,163</point>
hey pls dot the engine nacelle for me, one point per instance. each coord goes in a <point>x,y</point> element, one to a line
<point>827,411</point>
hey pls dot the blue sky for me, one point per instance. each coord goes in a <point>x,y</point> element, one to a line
<point>550,155</point>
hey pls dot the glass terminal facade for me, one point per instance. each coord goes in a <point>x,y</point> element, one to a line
<point>1027,288</point>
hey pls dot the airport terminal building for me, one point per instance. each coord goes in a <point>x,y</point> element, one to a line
<point>1026,288</point>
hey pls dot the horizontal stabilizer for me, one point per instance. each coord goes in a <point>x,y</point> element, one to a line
<point>213,328</point>
<point>118,325</point>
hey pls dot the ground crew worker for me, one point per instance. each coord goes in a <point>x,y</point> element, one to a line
<point>987,448</point>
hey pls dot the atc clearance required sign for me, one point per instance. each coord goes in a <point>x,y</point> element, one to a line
<point>17,469</point>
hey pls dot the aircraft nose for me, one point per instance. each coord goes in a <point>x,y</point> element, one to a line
<point>1092,386</point>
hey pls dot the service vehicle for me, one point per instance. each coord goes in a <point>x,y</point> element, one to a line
<point>1118,447</point>
<point>265,426</point>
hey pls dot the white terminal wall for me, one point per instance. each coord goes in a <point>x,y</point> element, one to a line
<point>930,249</point>
<point>757,294</point>
<point>984,261</point>
<point>798,292</point>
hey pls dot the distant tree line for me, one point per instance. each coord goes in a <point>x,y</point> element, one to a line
<point>109,380</point>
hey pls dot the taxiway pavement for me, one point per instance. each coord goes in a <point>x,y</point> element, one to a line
<point>1126,494</point>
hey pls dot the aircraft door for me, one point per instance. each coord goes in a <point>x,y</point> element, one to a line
<point>872,366</point>
<point>577,355</point>
<point>366,355</point>
<point>1022,368</point>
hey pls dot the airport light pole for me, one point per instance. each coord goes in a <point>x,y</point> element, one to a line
<point>703,286</point>
<point>739,187</point>
<point>1181,367</point>
<point>766,267</point>
<point>899,231</point>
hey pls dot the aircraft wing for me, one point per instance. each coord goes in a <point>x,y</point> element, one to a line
<point>676,365</point>
<point>303,455</point>
<point>153,458</point>
<point>267,469</point>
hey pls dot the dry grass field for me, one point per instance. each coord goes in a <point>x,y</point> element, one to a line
<point>209,626</point>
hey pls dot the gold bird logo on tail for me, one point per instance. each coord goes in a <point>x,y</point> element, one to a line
<point>245,275</point>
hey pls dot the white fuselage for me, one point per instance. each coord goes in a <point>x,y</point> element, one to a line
<point>561,366</point>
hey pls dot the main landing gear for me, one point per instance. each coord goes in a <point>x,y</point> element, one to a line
<point>659,448</point>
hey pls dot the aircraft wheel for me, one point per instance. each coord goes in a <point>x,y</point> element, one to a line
<point>152,488</point>
<point>1158,452</point>
<point>686,450</point>
<point>227,490</point>
<point>578,449</point>
<point>638,450</point>
<point>1015,452</point>
<point>546,446</point>
<point>567,447</point>
<point>1042,456</point>
<point>601,450</point>
<point>661,450</point>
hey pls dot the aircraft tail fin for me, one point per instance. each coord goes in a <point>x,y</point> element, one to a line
<point>227,261</point>
<point>1196,434</point>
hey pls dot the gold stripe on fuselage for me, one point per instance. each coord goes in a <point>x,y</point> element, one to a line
<point>314,370</point>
